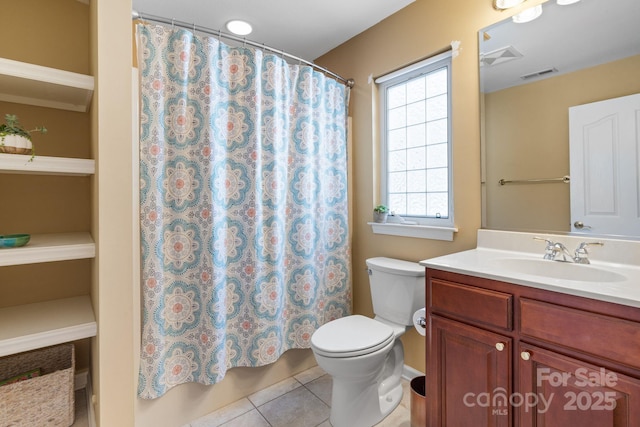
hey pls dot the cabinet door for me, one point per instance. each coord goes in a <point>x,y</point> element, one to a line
<point>469,376</point>
<point>561,391</point>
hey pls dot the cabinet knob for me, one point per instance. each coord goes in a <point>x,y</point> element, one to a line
<point>499,346</point>
<point>525,355</point>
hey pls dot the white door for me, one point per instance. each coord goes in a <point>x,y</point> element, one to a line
<point>605,175</point>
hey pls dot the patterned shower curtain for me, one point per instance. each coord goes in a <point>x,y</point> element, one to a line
<point>243,193</point>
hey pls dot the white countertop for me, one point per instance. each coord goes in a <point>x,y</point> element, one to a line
<point>495,247</point>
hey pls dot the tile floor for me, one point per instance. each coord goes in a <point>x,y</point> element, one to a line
<point>303,400</point>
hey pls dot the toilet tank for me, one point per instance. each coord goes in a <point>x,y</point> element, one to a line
<point>397,288</point>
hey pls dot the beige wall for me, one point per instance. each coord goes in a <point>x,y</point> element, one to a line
<point>56,35</point>
<point>527,136</point>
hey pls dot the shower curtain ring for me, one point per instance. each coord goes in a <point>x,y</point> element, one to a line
<point>173,23</point>
<point>194,27</point>
<point>244,42</point>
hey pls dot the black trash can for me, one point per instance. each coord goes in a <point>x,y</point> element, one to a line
<point>418,402</point>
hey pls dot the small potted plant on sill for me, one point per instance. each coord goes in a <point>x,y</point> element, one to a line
<point>14,139</point>
<point>380,213</point>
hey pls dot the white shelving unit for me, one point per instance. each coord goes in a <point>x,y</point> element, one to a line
<point>50,248</point>
<point>41,165</point>
<point>31,326</point>
<point>31,84</point>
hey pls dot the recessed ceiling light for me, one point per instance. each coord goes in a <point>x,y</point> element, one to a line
<point>238,27</point>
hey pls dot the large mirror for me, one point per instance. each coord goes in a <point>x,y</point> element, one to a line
<point>530,75</point>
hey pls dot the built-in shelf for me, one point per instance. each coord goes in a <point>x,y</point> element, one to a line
<point>42,165</point>
<point>49,248</point>
<point>30,326</point>
<point>32,84</point>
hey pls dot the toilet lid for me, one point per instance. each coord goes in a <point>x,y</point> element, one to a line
<point>351,336</point>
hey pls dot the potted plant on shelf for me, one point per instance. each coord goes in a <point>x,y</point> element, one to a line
<point>14,139</point>
<point>380,213</point>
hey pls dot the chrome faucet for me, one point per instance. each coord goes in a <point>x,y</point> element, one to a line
<point>560,249</point>
<point>581,256</point>
<point>555,249</point>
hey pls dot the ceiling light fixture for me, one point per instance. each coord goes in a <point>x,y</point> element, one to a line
<point>506,4</point>
<point>527,15</point>
<point>239,27</point>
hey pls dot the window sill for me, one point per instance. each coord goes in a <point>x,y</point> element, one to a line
<point>412,230</point>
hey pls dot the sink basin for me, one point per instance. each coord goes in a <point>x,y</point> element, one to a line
<point>558,270</point>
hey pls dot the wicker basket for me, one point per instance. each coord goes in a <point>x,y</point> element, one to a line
<point>46,400</point>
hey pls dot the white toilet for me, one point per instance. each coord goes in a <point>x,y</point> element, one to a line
<point>365,356</point>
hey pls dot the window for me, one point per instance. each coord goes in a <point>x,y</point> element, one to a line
<point>416,175</point>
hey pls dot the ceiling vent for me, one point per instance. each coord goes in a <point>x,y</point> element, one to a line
<point>539,73</point>
<point>499,56</point>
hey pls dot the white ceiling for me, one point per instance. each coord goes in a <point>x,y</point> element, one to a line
<point>304,28</point>
<point>567,38</point>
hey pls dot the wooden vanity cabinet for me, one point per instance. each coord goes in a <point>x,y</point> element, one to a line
<point>500,354</point>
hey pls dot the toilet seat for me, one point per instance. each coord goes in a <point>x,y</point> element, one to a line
<point>351,336</point>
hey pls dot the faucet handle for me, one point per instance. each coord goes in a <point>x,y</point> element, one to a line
<point>542,239</point>
<point>585,244</point>
<point>550,250</point>
<point>581,253</point>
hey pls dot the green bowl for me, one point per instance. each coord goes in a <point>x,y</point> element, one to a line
<point>14,240</point>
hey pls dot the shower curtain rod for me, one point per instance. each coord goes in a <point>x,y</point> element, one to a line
<point>144,17</point>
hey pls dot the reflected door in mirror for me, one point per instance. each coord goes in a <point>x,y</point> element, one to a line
<point>605,160</point>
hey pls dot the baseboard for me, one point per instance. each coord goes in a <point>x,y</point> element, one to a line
<point>408,373</point>
<point>83,381</point>
<point>91,413</point>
